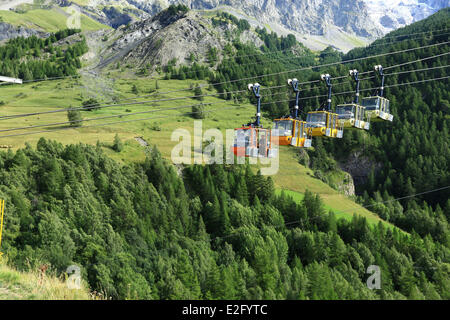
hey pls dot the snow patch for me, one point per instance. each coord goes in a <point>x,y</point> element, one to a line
<point>394,14</point>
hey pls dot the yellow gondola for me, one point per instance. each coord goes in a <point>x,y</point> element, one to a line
<point>352,115</point>
<point>291,130</point>
<point>324,123</point>
<point>377,107</point>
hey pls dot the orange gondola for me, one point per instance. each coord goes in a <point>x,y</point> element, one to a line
<point>252,140</point>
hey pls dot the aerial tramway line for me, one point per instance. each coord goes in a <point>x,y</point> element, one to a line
<point>352,115</point>
<point>291,130</point>
<point>324,122</point>
<point>376,106</point>
<point>252,140</point>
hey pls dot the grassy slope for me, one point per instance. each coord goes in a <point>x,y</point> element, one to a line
<point>47,20</point>
<point>295,179</point>
<point>15,285</point>
<point>56,94</point>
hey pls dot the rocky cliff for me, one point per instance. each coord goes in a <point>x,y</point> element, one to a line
<point>8,31</point>
<point>359,166</point>
<point>366,18</point>
<point>394,14</point>
<point>169,37</point>
<point>304,16</point>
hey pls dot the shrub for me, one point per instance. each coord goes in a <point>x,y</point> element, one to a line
<point>74,116</point>
<point>198,112</point>
<point>117,145</point>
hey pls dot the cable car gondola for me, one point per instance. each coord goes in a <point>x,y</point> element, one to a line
<point>291,130</point>
<point>377,107</point>
<point>324,123</point>
<point>252,140</point>
<point>352,115</point>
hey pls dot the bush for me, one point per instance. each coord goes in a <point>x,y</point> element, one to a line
<point>91,104</point>
<point>74,116</point>
<point>155,127</point>
<point>117,145</point>
<point>198,93</point>
<point>198,112</point>
<point>174,9</point>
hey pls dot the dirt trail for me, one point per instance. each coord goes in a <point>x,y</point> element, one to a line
<point>141,141</point>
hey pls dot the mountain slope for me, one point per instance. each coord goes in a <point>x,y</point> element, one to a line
<point>45,20</point>
<point>306,17</point>
<point>142,231</point>
<point>176,38</point>
<point>341,23</point>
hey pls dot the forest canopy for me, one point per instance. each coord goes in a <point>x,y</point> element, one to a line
<point>140,231</point>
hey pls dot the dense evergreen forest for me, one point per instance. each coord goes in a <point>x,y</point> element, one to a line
<point>141,231</point>
<point>36,58</point>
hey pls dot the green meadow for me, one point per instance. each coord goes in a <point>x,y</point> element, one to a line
<point>48,20</point>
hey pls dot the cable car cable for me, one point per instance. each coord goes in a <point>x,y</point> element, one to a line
<point>174,108</point>
<point>77,76</point>
<point>93,106</point>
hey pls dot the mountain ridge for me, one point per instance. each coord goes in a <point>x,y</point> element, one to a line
<point>343,24</point>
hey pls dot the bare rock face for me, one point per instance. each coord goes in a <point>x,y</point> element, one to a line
<point>128,39</point>
<point>167,36</point>
<point>249,36</point>
<point>189,34</point>
<point>8,31</point>
<point>365,18</point>
<point>304,16</point>
<point>347,185</point>
<point>359,167</point>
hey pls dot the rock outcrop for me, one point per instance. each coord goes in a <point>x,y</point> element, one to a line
<point>359,167</point>
<point>169,37</point>
<point>8,31</point>
<point>303,16</point>
<point>347,185</point>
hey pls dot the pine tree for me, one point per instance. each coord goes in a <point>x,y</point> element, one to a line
<point>198,93</point>
<point>75,118</point>
<point>117,145</point>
